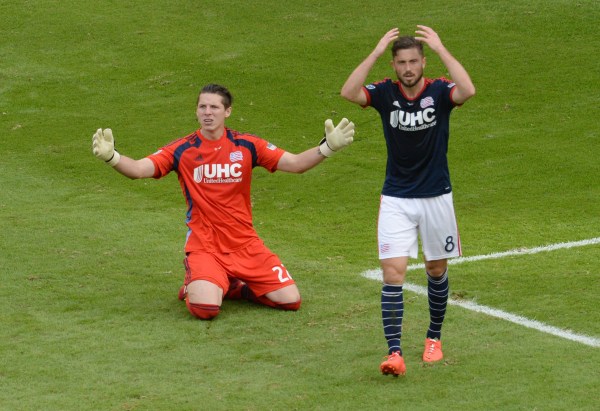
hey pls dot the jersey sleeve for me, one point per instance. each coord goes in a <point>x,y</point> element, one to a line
<point>448,87</point>
<point>163,159</point>
<point>375,91</point>
<point>267,154</point>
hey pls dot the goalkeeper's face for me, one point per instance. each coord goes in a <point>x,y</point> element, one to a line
<point>211,111</point>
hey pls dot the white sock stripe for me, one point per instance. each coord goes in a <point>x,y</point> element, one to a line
<point>441,293</point>
<point>443,303</point>
<point>397,326</point>
<point>438,280</point>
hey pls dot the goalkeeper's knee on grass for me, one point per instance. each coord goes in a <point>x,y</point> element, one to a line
<point>295,306</point>
<point>203,311</point>
<point>247,294</point>
<point>289,306</point>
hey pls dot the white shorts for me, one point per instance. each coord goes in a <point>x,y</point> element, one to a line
<point>403,220</point>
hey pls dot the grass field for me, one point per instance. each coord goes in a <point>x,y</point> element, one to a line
<point>90,262</point>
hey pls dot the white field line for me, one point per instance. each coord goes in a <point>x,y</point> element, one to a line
<point>536,325</point>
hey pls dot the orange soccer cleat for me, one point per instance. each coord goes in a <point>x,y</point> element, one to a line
<point>433,350</point>
<point>394,364</point>
<point>235,291</point>
<point>182,293</point>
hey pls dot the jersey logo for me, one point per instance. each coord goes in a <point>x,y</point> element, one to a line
<point>415,121</point>
<point>218,173</point>
<point>426,102</point>
<point>236,156</point>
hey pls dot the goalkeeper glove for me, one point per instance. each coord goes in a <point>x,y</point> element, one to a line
<point>103,147</point>
<point>336,138</point>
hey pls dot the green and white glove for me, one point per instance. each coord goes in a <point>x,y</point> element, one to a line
<point>336,138</point>
<point>103,147</point>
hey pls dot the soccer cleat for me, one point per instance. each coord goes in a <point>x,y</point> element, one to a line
<point>433,350</point>
<point>235,289</point>
<point>394,364</point>
<point>182,293</point>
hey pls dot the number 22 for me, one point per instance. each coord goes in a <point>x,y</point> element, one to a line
<point>282,273</point>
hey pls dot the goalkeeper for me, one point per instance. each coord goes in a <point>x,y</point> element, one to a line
<point>225,258</point>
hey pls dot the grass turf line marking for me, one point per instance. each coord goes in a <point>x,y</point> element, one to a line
<point>518,251</point>
<point>517,319</point>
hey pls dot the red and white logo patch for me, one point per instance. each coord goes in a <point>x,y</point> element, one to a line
<point>236,156</point>
<point>426,102</point>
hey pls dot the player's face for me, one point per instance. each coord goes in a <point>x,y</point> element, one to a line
<point>408,65</point>
<point>211,112</point>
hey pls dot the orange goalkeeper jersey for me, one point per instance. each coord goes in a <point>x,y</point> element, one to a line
<point>215,178</point>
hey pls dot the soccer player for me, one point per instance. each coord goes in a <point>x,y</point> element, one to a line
<point>225,258</point>
<point>416,199</point>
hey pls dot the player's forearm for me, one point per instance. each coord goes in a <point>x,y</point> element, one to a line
<point>134,169</point>
<point>336,139</point>
<point>465,88</point>
<point>352,88</point>
<point>299,163</point>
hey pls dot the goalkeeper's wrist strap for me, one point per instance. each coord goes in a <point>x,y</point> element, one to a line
<point>324,148</point>
<point>114,159</point>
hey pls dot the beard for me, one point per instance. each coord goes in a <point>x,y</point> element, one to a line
<point>410,82</point>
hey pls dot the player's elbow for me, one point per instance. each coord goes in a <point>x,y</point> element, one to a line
<point>464,94</point>
<point>471,91</point>
<point>468,91</point>
<point>353,95</point>
<point>137,169</point>
<point>300,170</point>
<point>138,175</point>
<point>294,163</point>
<point>344,93</point>
<point>348,94</point>
<point>133,174</point>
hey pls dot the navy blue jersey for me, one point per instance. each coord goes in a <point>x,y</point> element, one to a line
<point>416,132</point>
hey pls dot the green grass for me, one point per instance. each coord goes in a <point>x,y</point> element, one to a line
<point>91,262</point>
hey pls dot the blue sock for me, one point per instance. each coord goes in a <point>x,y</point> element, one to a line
<point>392,310</point>
<point>437,291</point>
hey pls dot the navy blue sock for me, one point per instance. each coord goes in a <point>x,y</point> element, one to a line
<point>437,291</point>
<point>392,310</point>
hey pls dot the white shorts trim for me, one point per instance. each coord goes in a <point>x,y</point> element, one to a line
<point>402,220</point>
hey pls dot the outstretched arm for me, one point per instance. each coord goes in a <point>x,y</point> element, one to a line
<point>352,88</point>
<point>336,139</point>
<point>464,86</point>
<point>103,147</point>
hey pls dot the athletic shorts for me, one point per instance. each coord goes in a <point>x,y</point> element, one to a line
<point>403,220</point>
<point>255,264</point>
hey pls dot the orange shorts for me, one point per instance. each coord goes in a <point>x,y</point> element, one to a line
<point>255,264</point>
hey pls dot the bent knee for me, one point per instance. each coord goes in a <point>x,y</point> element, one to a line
<point>295,306</point>
<point>203,311</point>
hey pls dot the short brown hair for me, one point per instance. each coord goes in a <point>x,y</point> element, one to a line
<point>406,42</point>
<point>220,90</point>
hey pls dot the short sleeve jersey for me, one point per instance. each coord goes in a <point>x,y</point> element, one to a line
<point>215,177</point>
<point>416,132</point>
